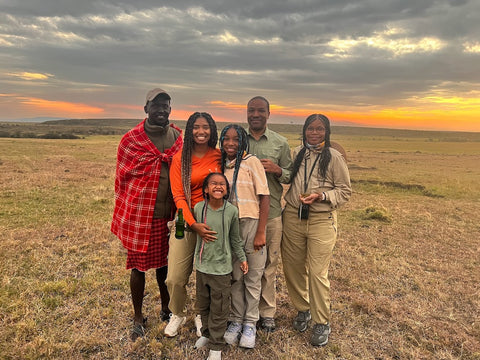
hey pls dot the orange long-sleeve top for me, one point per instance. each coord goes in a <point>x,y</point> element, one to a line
<point>201,167</point>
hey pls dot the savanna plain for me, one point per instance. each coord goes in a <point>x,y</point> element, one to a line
<point>405,272</point>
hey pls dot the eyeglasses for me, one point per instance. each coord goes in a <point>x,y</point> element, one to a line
<point>317,129</point>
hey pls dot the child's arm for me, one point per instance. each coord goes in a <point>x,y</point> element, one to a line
<point>260,237</point>
<point>244,267</point>
<point>235,241</point>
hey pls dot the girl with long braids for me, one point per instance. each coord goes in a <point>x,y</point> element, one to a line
<point>250,193</point>
<point>189,168</point>
<point>320,183</point>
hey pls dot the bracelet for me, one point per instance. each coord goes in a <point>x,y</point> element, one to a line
<point>324,196</point>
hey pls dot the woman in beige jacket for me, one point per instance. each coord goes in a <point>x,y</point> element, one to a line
<point>320,183</point>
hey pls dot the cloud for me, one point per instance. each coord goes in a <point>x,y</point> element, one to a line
<point>30,76</point>
<point>67,109</point>
<point>395,41</point>
<point>304,55</point>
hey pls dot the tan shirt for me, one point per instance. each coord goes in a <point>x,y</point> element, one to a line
<point>336,185</point>
<point>251,182</point>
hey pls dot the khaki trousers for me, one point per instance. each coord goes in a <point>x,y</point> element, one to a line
<point>213,304</point>
<point>180,266</point>
<point>246,288</point>
<point>307,247</point>
<point>268,306</point>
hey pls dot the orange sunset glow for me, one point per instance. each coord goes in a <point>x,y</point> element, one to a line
<point>48,106</point>
<point>459,114</point>
<point>460,118</point>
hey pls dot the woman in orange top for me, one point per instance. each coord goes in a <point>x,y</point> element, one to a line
<point>198,158</point>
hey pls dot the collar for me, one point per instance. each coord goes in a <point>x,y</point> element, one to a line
<point>267,133</point>
<point>155,129</point>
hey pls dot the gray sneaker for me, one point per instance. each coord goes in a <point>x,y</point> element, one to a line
<point>248,337</point>
<point>320,334</point>
<point>300,323</point>
<point>233,333</point>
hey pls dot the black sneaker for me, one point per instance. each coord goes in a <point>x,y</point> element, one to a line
<point>267,324</point>
<point>320,334</point>
<point>300,323</point>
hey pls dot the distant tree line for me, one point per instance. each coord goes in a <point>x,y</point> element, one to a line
<point>30,135</point>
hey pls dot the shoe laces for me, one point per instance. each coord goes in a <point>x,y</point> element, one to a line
<point>175,318</point>
<point>302,315</point>
<point>248,331</point>
<point>320,328</point>
<point>234,327</point>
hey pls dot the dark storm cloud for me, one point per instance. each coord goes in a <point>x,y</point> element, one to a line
<point>341,53</point>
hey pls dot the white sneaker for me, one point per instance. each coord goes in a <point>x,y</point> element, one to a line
<point>198,325</point>
<point>174,324</point>
<point>233,333</point>
<point>201,342</point>
<point>248,337</point>
<point>214,355</point>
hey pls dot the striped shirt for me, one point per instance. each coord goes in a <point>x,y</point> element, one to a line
<point>251,182</point>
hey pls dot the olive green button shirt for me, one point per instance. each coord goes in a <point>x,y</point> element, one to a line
<point>273,146</point>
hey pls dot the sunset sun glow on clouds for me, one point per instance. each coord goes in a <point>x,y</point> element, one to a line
<point>400,64</point>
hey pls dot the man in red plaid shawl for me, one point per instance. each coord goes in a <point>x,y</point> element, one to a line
<point>143,199</point>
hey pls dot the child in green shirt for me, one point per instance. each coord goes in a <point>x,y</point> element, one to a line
<point>213,261</point>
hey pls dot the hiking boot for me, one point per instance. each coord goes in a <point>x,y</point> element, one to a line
<point>300,323</point>
<point>174,324</point>
<point>267,324</point>
<point>320,334</point>
<point>233,333</point>
<point>214,355</point>
<point>248,337</point>
<point>198,325</point>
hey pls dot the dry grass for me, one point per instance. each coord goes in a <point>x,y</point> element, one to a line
<point>405,274</point>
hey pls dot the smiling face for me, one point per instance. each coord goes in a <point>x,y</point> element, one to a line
<point>230,143</point>
<point>315,132</point>
<point>158,111</point>
<point>201,131</point>
<point>216,187</point>
<point>257,114</point>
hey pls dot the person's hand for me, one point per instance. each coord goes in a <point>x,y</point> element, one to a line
<point>309,199</point>
<point>259,241</point>
<point>204,231</point>
<point>271,167</point>
<point>244,267</point>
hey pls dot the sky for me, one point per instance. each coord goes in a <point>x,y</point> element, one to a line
<point>410,64</point>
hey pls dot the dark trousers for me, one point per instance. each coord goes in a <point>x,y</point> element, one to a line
<point>213,304</point>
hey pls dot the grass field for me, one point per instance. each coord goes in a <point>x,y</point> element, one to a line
<point>405,274</point>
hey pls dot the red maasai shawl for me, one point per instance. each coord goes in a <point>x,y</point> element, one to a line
<point>136,183</point>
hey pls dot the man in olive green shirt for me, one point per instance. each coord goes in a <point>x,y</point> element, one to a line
<point>274,152</point>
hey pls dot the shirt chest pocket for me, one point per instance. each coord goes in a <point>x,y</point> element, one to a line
<point>272,153</point>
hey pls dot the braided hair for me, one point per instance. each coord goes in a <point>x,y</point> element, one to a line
<point>207,180</point>
<point>188,144</point>
<point>242,149</point>
<point>325,156</point>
